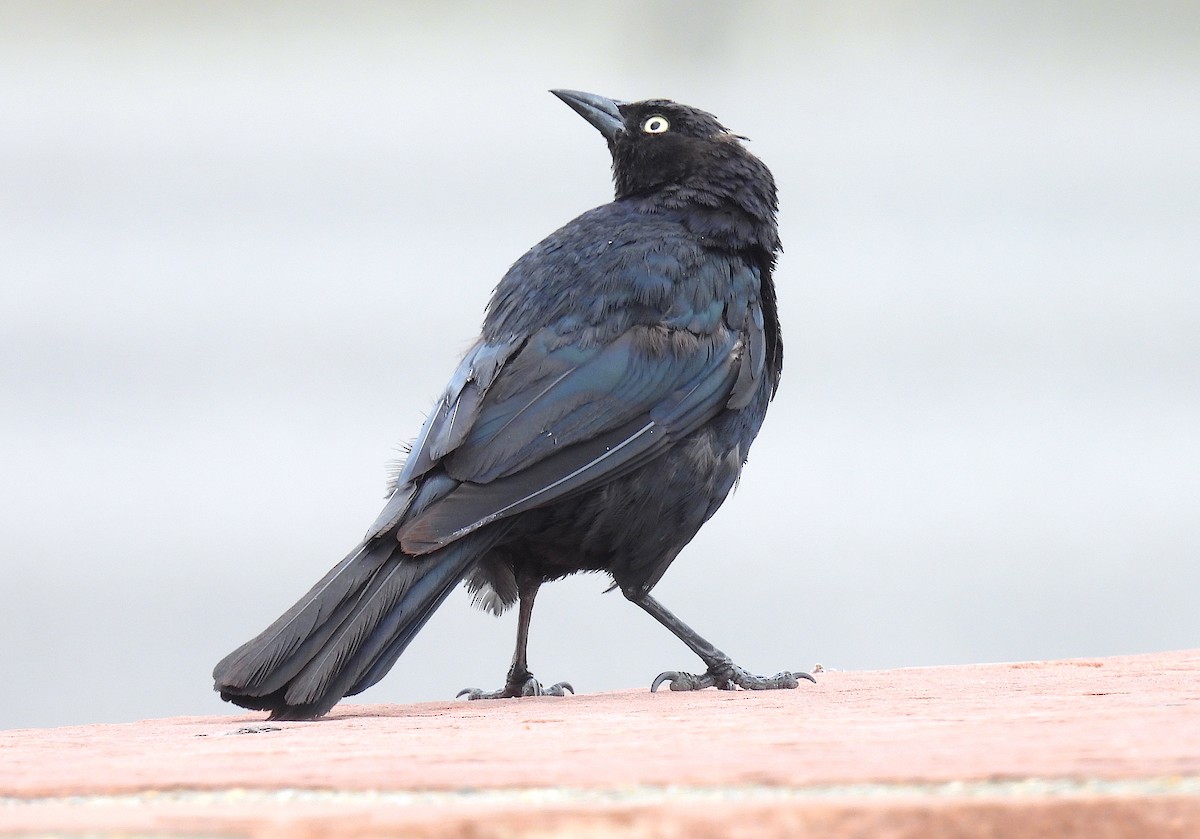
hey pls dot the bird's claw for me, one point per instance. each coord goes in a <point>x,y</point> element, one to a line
<point>683,681</point>
<point>728,677</point>
<point>529,687</point>
<point>558,689</point>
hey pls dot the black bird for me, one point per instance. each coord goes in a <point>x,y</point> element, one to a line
<point>624,368</point>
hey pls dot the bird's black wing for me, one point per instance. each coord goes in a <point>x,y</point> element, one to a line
<point>531,420</point>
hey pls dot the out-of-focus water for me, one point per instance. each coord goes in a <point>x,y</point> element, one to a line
<point>241,250</point>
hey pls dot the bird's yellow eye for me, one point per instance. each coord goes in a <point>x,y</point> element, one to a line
<point>656,124</point>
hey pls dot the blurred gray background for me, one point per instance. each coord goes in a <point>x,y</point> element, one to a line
<point>243,245</point>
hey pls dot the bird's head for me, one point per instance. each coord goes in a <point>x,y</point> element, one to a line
<point>678,154</point>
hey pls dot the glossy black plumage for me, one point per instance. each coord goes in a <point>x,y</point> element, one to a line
<point>624,367</point>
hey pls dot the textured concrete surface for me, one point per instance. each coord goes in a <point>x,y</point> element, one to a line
<point>1099,748</point>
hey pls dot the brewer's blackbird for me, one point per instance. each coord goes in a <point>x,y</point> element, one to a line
<point>624,367</point>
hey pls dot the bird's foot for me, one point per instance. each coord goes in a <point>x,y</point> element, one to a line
<point>529,687</point>
<point>726,675</point>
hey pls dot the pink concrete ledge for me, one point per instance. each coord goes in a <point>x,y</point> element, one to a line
<point>1098,747</point>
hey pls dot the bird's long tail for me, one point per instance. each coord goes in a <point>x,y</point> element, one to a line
<point>345,634</point>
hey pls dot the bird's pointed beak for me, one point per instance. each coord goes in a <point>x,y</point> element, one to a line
<point>603,113</point>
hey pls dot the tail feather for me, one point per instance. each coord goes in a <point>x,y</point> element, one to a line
<point>331,657</point>
<point>397,598</point>
<point>265,662</point>
<point>346,632</point>
<point>401,630</point>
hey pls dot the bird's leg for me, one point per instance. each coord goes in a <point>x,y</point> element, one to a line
<point>518,672</point>
<point>520,681</point>
<point>722,672</point>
